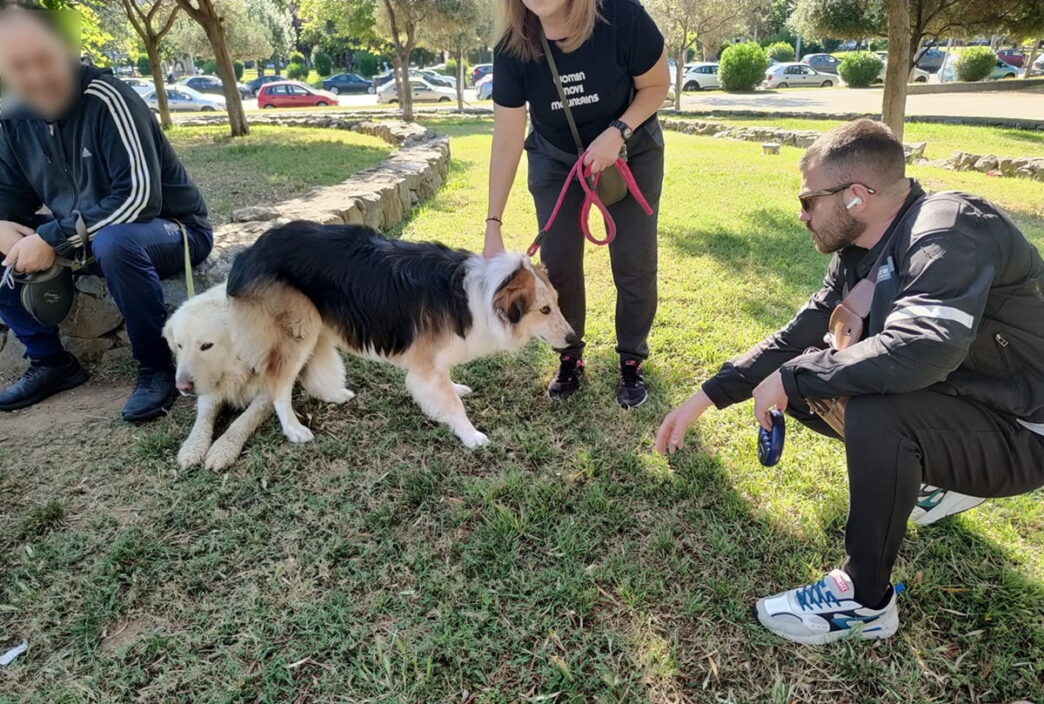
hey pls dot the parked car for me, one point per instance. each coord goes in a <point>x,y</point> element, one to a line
<point>347,83</point>
<point>700,76</point>
<point>213,85</point>
<point>141,86</point>
<point>1015,57</point>
<point>485,87</point>
<point>293,94</point>
<point>480,71</point>
<point>791,73</point>
<point>423,91</point>
<point>931,60</point>
<point>439,79</point>
<point>917,75</point>
<point>1000,71</point>
<point>184,99</point>
<point>823,63</point>
<point>255,85</point>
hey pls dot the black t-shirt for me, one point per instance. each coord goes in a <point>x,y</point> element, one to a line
<point>597,77</point>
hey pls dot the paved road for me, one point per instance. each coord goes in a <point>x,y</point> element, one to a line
<point>1025,104</point>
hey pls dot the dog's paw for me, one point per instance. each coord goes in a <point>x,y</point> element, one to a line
<point>192,454</point>
<point>298,433</point>
<point>338,396</point>
<point>462,390</point>
<point>474,439</point>
<point>221,455</point>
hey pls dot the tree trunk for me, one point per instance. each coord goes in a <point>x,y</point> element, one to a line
<point>406,90</point>
<point>679,76</point>
<point>893,107</point>
<point>1030,59</point>
<point>458,56</point>
<point>237,121</point>
<point>152,49</point>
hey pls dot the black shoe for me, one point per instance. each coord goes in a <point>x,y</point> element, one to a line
<point>631,392</point>
<point>567,381</point>
<point>40,382</point>
<point>153,395</point>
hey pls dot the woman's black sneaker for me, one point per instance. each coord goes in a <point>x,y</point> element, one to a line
<point>567,381</point>
<point>631,392</point>
<point>41,381</point>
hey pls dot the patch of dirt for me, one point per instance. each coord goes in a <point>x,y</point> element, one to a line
<point>125,633</point>
<point>71,412</point>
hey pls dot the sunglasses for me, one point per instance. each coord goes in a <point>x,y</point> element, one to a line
<point>806,198</point>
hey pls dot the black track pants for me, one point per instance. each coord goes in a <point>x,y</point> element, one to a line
<point>632,253</point>
<point>896,442</point>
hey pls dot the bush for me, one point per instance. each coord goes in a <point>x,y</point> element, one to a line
<point>297,72</point>
<point>144,67</point>
<point>879,44</point>
<point>322,62</point>
<point>860,68</point>
<point>209,67</point>
<point>975,63</point>
<point>238,67</point>
<point>780,51</point>
<point>742,66</point>
<point>365,63</point>
<point>450,69</point>
<point>297,58</point>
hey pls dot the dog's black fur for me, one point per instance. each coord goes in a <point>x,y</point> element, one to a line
<point>378,293</point>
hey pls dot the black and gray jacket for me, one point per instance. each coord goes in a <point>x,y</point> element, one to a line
<point>958,308</point>
<point>105,162</point>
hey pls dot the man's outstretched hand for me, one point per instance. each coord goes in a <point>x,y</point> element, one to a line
<point>671,435</point>
<point>30,254</point>
<point>769,394</point>
<point>11,233</point>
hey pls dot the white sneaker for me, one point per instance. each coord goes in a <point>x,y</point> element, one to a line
<point>826,611</point>
<point>934,503</point>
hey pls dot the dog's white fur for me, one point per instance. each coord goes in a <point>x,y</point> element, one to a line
<point>249,353</point>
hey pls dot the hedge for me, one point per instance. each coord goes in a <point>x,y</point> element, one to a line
<point>297,72</point>
<point>859,69</point>
<point>780,51</point>
<point>322,62</point>
<point>975,63</point>
<point>742,66</point>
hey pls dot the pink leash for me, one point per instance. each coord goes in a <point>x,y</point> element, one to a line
<point>589,184</point>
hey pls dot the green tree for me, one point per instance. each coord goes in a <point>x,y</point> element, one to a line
<point>152,20</point>
<point>456,27</point>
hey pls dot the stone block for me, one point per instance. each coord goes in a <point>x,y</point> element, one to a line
<point>92,317</point>
<point>12,363</point>
<point>255,213</point>
<point>88,349</point>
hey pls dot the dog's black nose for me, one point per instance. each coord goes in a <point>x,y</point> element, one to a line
<point>572,339</point>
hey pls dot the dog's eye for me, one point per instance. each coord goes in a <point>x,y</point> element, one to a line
<point>546,310</point>
<point>179,345</point>
<point>205,346</point>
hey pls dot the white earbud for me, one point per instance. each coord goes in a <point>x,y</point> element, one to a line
<point>853,203</point>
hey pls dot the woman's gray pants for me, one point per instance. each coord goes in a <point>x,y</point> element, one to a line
<point>632,254</point>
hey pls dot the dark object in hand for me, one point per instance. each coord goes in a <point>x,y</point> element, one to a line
<point>770,442</point>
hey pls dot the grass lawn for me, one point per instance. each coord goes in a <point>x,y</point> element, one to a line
<point>271,164</point>
<point>564,563</point>
<point>942,139</point>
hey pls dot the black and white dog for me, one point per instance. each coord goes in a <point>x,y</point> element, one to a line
<point>303,288</point>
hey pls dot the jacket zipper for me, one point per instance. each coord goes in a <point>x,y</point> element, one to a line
<point>59,155</point>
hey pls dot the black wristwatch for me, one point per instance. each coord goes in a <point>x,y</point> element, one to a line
<point>624,128</point>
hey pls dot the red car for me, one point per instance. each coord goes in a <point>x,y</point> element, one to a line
<point>1012,56</point>
<point>291,94</point>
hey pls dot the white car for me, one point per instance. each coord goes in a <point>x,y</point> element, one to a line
<point>141,86</point>
<point>422,92</point>
<point>185,99</point>
<point>433,76</point>
<point>917,75</point>
<point>792,73</point>
<point>700,76</point>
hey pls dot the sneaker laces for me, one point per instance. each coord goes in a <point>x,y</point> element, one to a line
<point>629,373</point>
<point>815,595</point>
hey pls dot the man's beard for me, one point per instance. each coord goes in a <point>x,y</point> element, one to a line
<point>842,232</point>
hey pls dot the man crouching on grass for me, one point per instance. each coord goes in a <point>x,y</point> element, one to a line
<point>84,144</point>
<point>945,387</point>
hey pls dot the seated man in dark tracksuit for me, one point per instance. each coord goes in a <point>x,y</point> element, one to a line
<point>77,140</point>
<point>945,386</point>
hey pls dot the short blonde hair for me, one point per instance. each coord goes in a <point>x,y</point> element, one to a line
<point>518,29</point>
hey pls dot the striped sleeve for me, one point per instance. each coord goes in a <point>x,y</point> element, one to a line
<point>131,169</point>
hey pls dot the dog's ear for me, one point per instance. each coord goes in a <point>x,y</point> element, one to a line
<point>515,295</point>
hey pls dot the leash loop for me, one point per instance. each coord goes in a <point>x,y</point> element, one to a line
<point>589,184</point>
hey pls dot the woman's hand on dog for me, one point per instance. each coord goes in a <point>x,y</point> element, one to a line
<point>494,242</point>
<point>671,435</point>
<point>604,151</point>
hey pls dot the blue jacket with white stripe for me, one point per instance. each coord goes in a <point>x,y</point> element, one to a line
<point>105,162</point>
<point>958,308</point>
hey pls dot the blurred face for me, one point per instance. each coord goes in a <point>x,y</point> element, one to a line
<point>827,219</point>
<point>546,8</point>
<point>36,65</point>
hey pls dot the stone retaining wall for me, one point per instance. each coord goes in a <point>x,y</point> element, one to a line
<point>1011,166</point>
<point>379,197</point>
